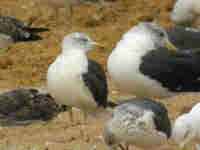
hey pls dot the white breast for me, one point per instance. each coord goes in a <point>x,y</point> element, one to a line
<point>65,83</point>
<point>123,67</point>
<point>126,128</point>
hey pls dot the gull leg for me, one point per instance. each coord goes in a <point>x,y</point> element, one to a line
<point>121,147</point>
<point>127,146</point>
<point>83,123</point>
<point>69,109</point>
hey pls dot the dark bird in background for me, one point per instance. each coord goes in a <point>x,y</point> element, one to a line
<point>184,37</point>
<point>24,106</point>
<point>14,30</point>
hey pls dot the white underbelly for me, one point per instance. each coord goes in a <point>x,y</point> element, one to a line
<point>68,88</point>
<point>147,141</point>
<point>139,86</point>
<point>125,74</point>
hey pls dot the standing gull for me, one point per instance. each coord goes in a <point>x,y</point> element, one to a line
<point>186,127</point>
<point>186,12</point>
<point>13,30</point>
<point>141,65</point>
<point>141,122</point>
<point>74,80</point>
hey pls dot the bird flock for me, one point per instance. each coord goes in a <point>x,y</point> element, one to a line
<point>148,62</point>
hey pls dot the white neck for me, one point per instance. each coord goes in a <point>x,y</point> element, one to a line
<point>137,43</point>
<point>72,51</point>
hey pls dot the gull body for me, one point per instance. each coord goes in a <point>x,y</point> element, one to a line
<point>142,65</point>
<point>74,80</point>
<point>140,122</point>
<point>14,30</point>
<point>186,12</point>
<point>186,127</point>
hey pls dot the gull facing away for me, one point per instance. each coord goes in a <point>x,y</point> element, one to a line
<point>13,30</point>
<point>140,122</point>
<point>187,127</point>
<point>141,65</point>
<point>75,80</point>
<point>25,106</point>
<point>186,12</point>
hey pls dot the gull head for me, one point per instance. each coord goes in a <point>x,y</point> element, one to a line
<point>77,41</point>
<point>182,131</point>
<point>148,36</point>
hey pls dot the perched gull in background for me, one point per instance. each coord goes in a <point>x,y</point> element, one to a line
<point>141,65</point>
<point>187,127</point>
<point>186,12</point>
<point>13,30</point>
<point>74,80</point>
<point>140,122</point>
<point>24,106</point>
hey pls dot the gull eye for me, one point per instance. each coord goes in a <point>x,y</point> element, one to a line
<point>161,34</point>
<point>84,39</point>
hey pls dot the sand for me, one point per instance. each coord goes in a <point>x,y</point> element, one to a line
<point>25,65</point>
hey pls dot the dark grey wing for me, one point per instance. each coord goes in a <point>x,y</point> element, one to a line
<point>178,71</point>
<point>12,20</point>
<point>161,118</point>
<point>184,38</point>
<point>25,105</point>
<point>16,29</point>
<point>95,80</point>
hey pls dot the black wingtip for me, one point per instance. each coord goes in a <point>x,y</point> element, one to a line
<point>112,104</point>
<point>35,30</point>
<point>30,39</point>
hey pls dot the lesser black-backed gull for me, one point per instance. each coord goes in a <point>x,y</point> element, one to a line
<point>141,65</point>
<point>186,12</point>
<point>24,106</point>
<point>75,80</point>
<point>13,30</point>
<point>140,122</point>
<point>186,127</point>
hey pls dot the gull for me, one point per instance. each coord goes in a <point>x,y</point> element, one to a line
<point>184,37</point>
<point>14,30</point>
<point>186,127</point>
<point>24,106</point>
<point>142,65</point>
<point>76,81</point>
<point>140,122</point>
<point>186,12</point>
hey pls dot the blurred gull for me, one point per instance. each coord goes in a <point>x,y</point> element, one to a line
<point>187,127</point>
<point>186,12</point>
<point>13,30</point>
<point>24,106</point>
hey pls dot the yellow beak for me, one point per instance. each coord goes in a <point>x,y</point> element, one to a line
<point>97,44</point>
<point>170,46</point>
